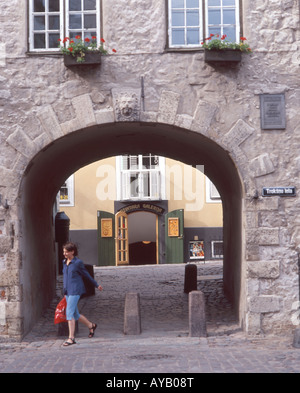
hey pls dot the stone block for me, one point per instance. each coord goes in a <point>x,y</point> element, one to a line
<point>261,165</point>
<point>83,107</point>
<point>263,269</point>
<point>238,134</point>
<point>22,143</point>
<point>105,116</point>
<point>168,107</point>
<point>265,304</point>
<point>132,314</point>
<point>197,316</point>
<point>50,122</point>
<point>203,116</point>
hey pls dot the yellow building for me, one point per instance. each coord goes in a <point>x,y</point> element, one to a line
<point>139,209</point>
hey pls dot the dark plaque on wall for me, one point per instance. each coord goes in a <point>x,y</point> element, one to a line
<point>272,111</point>
<point>279,191</point>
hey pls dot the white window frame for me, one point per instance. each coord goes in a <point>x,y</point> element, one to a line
<point>212,194</point>
<point>64,30</point>
<point>70,186</point>
<point>185,26</point>
<point>83,32</point>
<point>222,25</point>
<point>32,14</point>
<point>156,190</point>
<point>203,29</point>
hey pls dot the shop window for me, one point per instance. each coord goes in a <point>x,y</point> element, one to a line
<point>217,249</point>
<point>139,177</point>
<point>66,192</point>
<point>190,21</point>
<point>51,20</point>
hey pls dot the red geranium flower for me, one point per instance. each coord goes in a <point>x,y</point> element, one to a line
<point>77,37</point>
<point>102,40</point>
<point>87,39</point>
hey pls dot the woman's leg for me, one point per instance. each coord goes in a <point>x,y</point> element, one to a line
<point>85,321</point>
<point>71,325</point>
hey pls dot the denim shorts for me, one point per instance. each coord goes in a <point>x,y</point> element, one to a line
<point>72,308</point>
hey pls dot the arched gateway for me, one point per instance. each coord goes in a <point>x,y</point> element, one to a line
<point>62,148</point>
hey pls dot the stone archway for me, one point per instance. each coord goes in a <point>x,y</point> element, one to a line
<point>62,148</point>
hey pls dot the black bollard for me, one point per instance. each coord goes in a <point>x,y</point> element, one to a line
<point>190,278</point>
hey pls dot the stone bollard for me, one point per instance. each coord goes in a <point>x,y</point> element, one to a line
<point>190,278</point>
<point>132,314</point>
<point>197,317</point>
<point>296,342</point>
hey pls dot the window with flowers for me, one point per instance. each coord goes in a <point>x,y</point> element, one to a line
<point>66,192</point>
<point>191,21</point>
<point>52,20</point>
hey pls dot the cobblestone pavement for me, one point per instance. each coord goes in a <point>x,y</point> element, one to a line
<point>164,345</point>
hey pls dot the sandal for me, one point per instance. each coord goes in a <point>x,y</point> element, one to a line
<point>68,343</point>
<point>92,330</point>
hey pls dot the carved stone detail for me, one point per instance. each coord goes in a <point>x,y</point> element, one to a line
<point>127,104</point>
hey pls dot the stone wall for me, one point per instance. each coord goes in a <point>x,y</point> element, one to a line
<point>41,101</point>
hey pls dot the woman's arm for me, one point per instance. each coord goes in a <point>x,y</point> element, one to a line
<point>84,273</point>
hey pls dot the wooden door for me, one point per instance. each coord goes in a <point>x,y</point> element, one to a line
<point>106,238</point>
<point>121,239</point>
<point>174,237</point>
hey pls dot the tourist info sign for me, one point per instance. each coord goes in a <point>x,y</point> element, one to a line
<point>279,191</point>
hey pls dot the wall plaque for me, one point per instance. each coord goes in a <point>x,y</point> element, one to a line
<point>272,111</point>
<point>279,191</point>
<point>106,227</point>
<point>173,227</point>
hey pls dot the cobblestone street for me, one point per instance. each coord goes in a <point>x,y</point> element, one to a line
<point>164,345</point>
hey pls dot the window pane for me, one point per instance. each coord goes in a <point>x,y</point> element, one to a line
<point>213,3</point>
<point>39,6</point>
<point>134,185</point>
<point>229,17</point>
<point>53,5</point>
<point>192,36</point>
<point>75,5</point>
<point>90,34</point>
<point>214,31</point>
<point>230,33</point>
<point>39,23</point>
<point>178,18</point>
<point>75,22</point>
<point>192,18</point>
<point>39,41</point>
<point>177,3</point>
<point>214,17</point>
<point>90,21</point>
<point>54,22</point>
<point>192,3</point>
<point>53,40</point>
<point>178,37</point>
<point>89,4</point>
<point>228,2</point>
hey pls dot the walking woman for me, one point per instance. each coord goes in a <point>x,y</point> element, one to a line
<point>73,272</point>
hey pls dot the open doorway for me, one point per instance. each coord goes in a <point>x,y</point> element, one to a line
<point>142,238</point>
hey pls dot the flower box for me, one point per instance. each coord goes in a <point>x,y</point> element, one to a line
<point>221,56</point>
<point>89,59</point>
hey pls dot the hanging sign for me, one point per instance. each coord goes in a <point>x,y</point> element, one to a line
<point>279,191</point>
